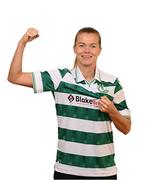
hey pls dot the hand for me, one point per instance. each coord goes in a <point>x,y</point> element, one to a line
<point>107,106</point>
<point>30,35</point>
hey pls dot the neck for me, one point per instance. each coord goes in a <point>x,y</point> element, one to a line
<point>88,72</point>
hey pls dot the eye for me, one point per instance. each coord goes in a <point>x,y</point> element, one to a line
<point>93,46</point>
<point>81,45</point>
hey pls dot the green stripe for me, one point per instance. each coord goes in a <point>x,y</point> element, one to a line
<point>118,87</point>
<point>104,83</point>
<point>85,161</point>
<point>47,81</point>
<point>85,137</point>
<point>68,88</point>
<point>63,72</point>
<point>121,106</point>
<point>81,113</point>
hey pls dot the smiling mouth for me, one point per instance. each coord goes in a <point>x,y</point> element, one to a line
<point>86,57</point>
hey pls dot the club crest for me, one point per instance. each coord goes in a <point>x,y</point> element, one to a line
<point>102,89</point>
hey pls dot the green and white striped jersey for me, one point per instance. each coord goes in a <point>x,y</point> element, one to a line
<point>85,137</point>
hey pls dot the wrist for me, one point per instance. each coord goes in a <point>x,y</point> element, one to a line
<point>21,43</point>
<point>114,113</point>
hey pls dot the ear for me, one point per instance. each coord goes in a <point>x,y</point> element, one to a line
<point>74,49</point>
<point>100,51</point>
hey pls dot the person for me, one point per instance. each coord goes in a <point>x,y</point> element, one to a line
<point>87,100</point>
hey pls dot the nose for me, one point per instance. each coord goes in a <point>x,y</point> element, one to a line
<point>87,49</point>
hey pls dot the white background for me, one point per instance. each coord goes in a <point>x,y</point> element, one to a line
<point>28,126</point>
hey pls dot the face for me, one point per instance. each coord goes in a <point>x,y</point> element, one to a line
<point>87,49</point>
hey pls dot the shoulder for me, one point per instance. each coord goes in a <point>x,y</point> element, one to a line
<point>64,71</point>
<point>104,76</point>
<point>59,72</point>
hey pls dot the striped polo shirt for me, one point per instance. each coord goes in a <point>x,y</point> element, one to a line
<point>85,137</point>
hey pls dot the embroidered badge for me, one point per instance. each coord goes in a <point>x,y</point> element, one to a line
<point>102,89</point>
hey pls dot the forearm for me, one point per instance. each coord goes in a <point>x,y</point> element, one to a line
<point>16,65</point>
<point>122,123</point>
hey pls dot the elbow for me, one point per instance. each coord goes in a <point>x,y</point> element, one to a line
<point>127,129</point>
<point>12,79</point>
<point>9,78</point>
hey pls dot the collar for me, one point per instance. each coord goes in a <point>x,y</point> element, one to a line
<point>80,78</point>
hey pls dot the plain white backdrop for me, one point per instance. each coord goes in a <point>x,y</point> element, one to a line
<point>28,126</point>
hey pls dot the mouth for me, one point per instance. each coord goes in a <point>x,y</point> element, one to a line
<point>86,56</point>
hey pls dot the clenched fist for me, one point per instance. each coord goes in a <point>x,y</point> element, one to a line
<point>107,106</point>
<point>30,35</point>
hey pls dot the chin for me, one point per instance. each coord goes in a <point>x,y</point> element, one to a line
<point>87,64</point>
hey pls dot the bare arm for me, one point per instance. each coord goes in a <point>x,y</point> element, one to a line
<point>16,76</point>
<point>122,123</point>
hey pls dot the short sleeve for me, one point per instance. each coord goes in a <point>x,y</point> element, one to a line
<point>119,100</point>
<point>46,81</point>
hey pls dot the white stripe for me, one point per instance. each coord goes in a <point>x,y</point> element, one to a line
<point>107,77</point>
<point>85,149</point>
<point>69,78</point>
<point>84,125</point>
<point>56,77</point>
<point>62,98</point>
<point>110,171</point>
<point>38,86</point>
<point>119,97</point>
<point>110,90</point>
<point>125,112</point>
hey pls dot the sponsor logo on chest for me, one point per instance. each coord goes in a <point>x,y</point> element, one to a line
<point>82,100</point>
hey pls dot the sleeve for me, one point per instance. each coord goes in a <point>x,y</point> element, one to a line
<point>119,100</point>
<point>46,81</point>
